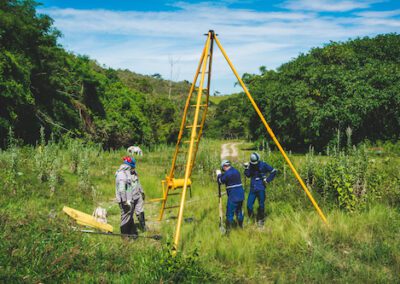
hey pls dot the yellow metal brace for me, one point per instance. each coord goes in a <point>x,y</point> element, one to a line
<point>271,133</point>
<point>170,183</point>
<point>194,116</point>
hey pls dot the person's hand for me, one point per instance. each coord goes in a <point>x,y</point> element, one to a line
<point>265,181</point>
<point>218,172</point>
<point>246,165</point>
<point>128,202</point>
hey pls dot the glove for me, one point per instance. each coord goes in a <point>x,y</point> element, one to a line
<point>217,172</point>
<point>246,165</point>
<point>143,196</point>
<point>265,181</point>
<point>128,202</point>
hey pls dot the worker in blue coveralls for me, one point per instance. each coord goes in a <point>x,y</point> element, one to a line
<point>257,170</point>
<point>234,189</point>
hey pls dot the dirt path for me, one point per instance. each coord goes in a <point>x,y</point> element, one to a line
<point>230,150</point>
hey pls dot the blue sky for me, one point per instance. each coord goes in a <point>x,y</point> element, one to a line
<point>147,36</point>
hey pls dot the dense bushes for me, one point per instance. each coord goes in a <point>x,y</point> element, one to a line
<point>307,100</point>
<point>352,179</point>
<point>230,118</point>
<point>342,178</point>
<point>352,84</point>
<point>42,85</point>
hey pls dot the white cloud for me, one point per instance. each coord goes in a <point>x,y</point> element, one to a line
<point>328,5</point>
<point>144,41</point>
<point>379,14</point>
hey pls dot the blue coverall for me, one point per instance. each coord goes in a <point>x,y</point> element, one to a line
<point>234,189</point>
<point>258,173</point>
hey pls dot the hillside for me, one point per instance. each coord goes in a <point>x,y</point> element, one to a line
<point>41,84</point>
<point>154,85</point>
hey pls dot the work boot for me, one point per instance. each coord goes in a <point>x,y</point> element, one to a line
<point>228,226</point>
<point>250,212</point>
<point>250,220</point>
<point>134,232</point>
<point>129,228</point>
<point>234,225</point>
<point>142,222</point>
<point>260,217</point>
<point>134,236</point>
<point>129,232</point>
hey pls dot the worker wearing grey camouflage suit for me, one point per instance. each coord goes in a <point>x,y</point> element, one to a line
<point>138,199</point>
<point>124,195</point>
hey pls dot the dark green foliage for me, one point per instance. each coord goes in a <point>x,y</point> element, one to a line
<point>181,267</point>
<point>352,179</point>
<point>230,119</point>
<point>165,118</point>
<point>342,179</point>
<point>125,122</point>
<point>38,82</point>
<point>356,84</point>
<point>42,85</point>
<point>153,84</point>
<point>353,84</point>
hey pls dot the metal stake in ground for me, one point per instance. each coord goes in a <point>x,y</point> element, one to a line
<point>221,216</point>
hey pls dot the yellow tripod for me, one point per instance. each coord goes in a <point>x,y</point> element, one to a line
<point>194,121</point>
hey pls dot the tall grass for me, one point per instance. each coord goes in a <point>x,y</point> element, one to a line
<point>12,168</point>
<point>37,243</point>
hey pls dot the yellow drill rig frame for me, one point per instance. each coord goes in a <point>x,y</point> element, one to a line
<point>196,125</point>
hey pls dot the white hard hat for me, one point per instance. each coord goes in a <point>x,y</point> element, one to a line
<point>254,158</point>
<point>225,163</point>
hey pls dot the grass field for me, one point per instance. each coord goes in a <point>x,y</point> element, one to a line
<point>38,243</point>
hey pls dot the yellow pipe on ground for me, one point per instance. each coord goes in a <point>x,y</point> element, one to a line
<point>86,219</point>
<point>271,133</point>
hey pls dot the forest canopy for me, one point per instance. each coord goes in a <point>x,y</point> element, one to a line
<point>343,85</point>
<point>353,84</point>
<point>43,85</point>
